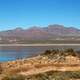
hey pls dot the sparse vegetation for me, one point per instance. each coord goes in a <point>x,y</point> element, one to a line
<point>0,69</point>
<point>12,70</point>
<point>51,75</point>
<point>15,77</point>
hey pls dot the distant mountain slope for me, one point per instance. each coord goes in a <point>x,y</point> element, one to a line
<point>50,32</point>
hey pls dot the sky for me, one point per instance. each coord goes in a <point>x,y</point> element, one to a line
<point>28,13</point>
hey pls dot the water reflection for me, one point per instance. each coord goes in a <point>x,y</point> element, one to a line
<point>12,52</point>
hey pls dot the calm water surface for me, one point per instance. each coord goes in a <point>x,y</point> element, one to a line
<point>12,52</point>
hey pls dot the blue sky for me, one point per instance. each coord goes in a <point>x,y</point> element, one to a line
<point>27,13</point>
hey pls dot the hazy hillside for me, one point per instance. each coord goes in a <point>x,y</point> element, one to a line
<point>50,34</point>
<point>47,32</point>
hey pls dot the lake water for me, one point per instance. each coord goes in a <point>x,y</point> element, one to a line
<point>9,53</point>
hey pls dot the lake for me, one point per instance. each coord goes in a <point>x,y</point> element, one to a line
<point>9,53</point>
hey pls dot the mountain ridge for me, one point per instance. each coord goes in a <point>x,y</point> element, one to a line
<point>35,32</point>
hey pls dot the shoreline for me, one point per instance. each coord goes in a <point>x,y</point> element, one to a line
<point>40,44</point>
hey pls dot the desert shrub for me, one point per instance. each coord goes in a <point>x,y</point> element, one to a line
<point>47,52</point>
<point>75,75</point>
<point>70,51</point>
<point>0,68</point>
<point>18,77</point>
<point>55,75</point>
<point>5,78</point>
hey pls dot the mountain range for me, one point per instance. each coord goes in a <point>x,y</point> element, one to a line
<point>50,32</point>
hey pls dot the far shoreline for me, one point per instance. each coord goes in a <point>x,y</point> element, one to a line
<point>60,44</point>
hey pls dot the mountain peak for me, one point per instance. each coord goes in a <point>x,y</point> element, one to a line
<point>18,29</point>
<point>56,26</point>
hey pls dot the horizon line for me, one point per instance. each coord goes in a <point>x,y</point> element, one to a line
<point>38,26</point>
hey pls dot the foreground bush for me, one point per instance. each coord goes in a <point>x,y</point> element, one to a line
<point>18,77</point>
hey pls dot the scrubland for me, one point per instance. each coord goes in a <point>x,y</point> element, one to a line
<point>50,65</point>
